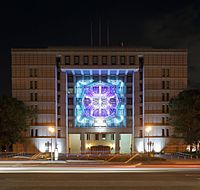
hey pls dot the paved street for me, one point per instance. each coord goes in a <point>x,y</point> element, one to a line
<point>101,177</point>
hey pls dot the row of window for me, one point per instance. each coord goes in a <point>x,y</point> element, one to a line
<point>34,133</point>
<point>101,137</point>
<point>96,60</point>
<point>164,133</point>
<point>33,72</point>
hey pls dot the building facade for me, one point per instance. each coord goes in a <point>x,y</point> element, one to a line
<point>98,99</point>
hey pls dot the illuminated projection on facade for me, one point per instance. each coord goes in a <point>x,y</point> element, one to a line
<point>100,104</point>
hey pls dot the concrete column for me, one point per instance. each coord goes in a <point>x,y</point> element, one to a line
<point>117,148</point>
<point>82,143</point>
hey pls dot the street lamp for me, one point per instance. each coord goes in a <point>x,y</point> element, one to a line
<point>148,130</point>
<point>52,131</point>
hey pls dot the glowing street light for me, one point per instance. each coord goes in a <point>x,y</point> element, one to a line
<point>148,130</point>
<point>52,131</point>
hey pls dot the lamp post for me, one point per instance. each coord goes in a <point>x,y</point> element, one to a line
<point>52,131</point>
<point>148,130</point>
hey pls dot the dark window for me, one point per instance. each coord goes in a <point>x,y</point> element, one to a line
<point>58,75</point>
<point>141,62</point>
<point>141,87</point>
<point>95,60</point>
<point>141,98</point>
<point>112,137</point>
<point>129,101</point>
<point>167,108</point>
<point>122,60</point>
<point>31,84</point>
<point>141,110</point>
<point>140,121</point>
<point>58,110</point>
<point>141,73</point>
<point>163,108</point>
<point>31,132</point>
<point>113,60</point>
<point>129,112</point>
<point>129,90</point>
<point>167,72</point>
<point>67,60</point>
<point>31,96</point>
<point>36,96</point>
<point>129,78</point>
<point>58,87</point>
<point>163,120</point>
<point>163,97</point>
<point>103,136</point>
<point>76,60</point>
<point>96,137</point>
<point>167,132</point>
<point>132,60</point>
<point>140,134</point>
<point>167,96</point>
<point>70,78</point>
<point>70,101</point>
<point>163,132</point>
<point>58,60</point>
<point>59,133</point>
<point>104,60</point>
<point>31,72</point>
<point>163,84</point>
<point>58,99</point>
<point>85,60</point>
<point>88,137</point>
<point>36,132</point>
<point>35,84</point>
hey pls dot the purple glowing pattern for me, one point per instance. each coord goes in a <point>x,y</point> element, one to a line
<point>100,100</point>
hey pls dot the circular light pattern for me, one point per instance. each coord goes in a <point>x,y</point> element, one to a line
<point>100,100</point>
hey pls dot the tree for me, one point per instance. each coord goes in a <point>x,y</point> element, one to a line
<point>14,120</point>
<point>185,115</point>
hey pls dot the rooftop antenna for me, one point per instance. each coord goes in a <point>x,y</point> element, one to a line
<point>91,34</point>
<point>100,31</point>
<point>108,35</point>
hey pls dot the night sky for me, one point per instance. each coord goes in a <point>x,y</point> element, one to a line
<point>151,23</point>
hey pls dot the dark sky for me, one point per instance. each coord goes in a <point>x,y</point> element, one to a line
<point>144,23</point>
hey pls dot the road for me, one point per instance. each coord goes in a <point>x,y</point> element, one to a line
<point>91,178</point>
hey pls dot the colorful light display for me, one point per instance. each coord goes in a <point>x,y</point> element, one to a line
<point>100,103</point>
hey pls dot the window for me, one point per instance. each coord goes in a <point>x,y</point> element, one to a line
<point>141,75</point>
<point>85,60</point>
<point>141,110</point>
<point>163,120</point>
<point>31,132</point>
<point>132,60</point>
<point>129,90</point>
<point>104,60</point>
<point>122,60</point>
<point>35,73</point>
<point>113,60</point>
<point>163,132</point>
<point>88,137</point>
<point>96,137</point>
<point>163,72</point>
<point>58,110</point>
<point>36,132</point>
<point>35,84</point>
<point>167,96</point>
<point>31,96</point>
<point>140,121</point>
<point>30,72</point>
<point>167,84</point>
<point>140,134</point>
<point>167,108</point>
<point>95,60</point>
<point>58,87</point>
<point>163,108</point>
<point>129,112</point>
<point>141,62</point>
<point>70,78</point>
<point>129,78</point>
<point>163,84</point>
<point>167,132</point>
<point>76,60</point>
<point>167,120</point>
<point>31,84</point>
<point>59,133</point>
<point>70,101</point>
<point>70,90</point>
<point>58,75</point>
<point>71,112</point>
<point>36,96</point>
<point>163,97</point>
<point>141,87</point>
<point>58,99</point>
<point>58,60</point>
<point>67,60</point>
<point>141,98</point>
<point>112,137</point>
<point>59,122</point>
<point>167,72</point>
<point>103,136</point>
